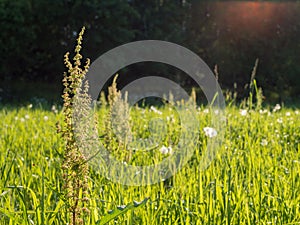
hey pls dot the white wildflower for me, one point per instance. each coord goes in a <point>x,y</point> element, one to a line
<point>163,150</point>
<point>243,112</point>
<point>166,150</point>
<point>279,120</point>
<point>152,108</point>
<point>264,142</point>
<point>170,150</point>
<point>27,117</point>
<point>137,172</point>
<point>210,132</point>
<point>206,111</point>
<point>276,108</point>
<point>263,111</point>
<point>171,118</point>
<point>29,106</point>
<point>46,118</point>
<point>53,109</point>
<point>22,119</point>
<point>288,114</point>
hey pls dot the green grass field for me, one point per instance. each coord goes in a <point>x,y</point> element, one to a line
<point>254,180</point>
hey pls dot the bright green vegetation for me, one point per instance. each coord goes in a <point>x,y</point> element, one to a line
<point>254,180</point>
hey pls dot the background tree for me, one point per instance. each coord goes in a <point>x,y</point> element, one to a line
<point>35,34</point>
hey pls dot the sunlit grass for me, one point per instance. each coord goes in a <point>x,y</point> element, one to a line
<point>256,179</point>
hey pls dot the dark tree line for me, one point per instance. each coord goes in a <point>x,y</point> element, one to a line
<point>35,34</point>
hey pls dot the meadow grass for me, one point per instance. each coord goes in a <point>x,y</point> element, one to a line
<point>254,180</point>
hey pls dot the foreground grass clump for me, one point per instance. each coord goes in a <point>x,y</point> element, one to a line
<point>255,180</point>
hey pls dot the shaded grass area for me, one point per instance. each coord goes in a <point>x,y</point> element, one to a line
<point>254,180</point>
<point>25,92</point>
<point>21,92</point>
